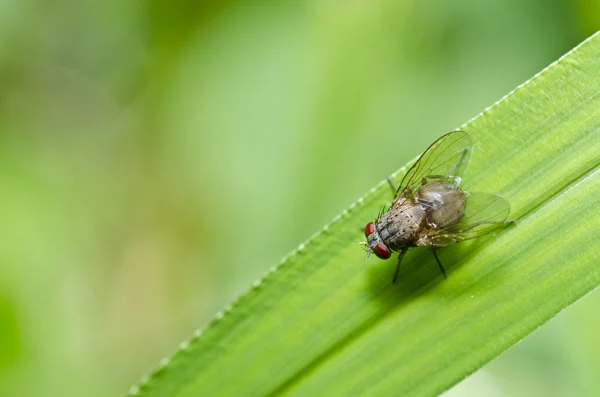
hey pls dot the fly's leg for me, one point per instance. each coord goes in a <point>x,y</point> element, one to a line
<point>405,192</point>
<point>439,263</point>
<point>454,180</point>
<point>464,154</point>
<point>398,266</point>
<point>394,187</point>
<point>383,208</point>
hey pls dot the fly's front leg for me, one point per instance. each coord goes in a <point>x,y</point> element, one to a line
<point>394,187</point>
<point>406,192</point>
<point>398,266</point>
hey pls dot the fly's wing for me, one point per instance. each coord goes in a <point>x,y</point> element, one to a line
<point>484,213</point>
<point>448,156</point>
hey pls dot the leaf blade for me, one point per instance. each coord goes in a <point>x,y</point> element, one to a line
<point>323,323</point>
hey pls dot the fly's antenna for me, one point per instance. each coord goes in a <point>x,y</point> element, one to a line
<point>365,246</point>
<point>367,252</point>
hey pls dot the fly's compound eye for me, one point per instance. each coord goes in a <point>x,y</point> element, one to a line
<point>382,251</point>
<point>369,229</point>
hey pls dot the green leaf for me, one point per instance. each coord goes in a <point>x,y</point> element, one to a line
<point>328,322</point>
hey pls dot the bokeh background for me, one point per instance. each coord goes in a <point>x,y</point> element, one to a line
<point>158,157</point>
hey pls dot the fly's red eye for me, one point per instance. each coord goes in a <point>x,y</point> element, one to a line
<point>382,251</point>
<point>369,229</point>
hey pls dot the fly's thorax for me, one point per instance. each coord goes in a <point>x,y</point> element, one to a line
<point>401,225</point>
<point>444,203</point>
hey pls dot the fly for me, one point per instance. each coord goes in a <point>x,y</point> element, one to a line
<point>431,210</point>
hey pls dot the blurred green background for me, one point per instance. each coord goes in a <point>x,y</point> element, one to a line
<point>158,157</point>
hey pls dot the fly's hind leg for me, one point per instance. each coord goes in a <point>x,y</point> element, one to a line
<point>454,180</point>
<point>398,266</point>
<point>439,263</point>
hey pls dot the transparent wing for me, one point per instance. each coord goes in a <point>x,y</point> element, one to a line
<point>448,156</point>
<point>484,213</point>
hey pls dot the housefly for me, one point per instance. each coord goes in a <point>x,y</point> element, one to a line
<point>431,210</point>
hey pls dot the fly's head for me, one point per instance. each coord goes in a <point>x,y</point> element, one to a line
<point>374,242</point>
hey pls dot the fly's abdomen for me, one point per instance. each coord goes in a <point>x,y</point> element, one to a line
<point>445,204</point>
<point>399,227</point>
